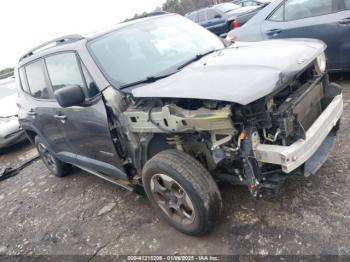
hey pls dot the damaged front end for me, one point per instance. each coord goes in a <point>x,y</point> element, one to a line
<point>256,145</point>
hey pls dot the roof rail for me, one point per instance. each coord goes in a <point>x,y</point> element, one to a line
<point>58,41</point>
<point>154,13</point>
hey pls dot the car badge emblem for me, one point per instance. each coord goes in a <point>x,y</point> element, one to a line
<point>303,60</point>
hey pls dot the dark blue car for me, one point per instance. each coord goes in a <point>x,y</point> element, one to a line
<point>221,18</point>
<point>327,20</point>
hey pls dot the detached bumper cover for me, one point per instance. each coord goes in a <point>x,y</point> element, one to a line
<point>293,156</point>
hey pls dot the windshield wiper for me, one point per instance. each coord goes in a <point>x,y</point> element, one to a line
<point>149,79</point>
<point>196,58</point>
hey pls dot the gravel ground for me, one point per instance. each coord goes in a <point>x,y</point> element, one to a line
<point>82,214</point>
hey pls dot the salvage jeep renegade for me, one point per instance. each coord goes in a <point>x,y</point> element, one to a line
<point>162,105</point>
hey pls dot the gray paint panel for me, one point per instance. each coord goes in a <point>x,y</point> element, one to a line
<point>242,73</point>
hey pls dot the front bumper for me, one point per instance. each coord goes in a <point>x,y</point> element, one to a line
<point>293,156</point>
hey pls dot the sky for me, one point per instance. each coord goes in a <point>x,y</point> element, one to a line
<point>25,24</point>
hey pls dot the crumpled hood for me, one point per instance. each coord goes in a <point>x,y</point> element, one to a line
<point>242,73</point>
<point>8,106</point>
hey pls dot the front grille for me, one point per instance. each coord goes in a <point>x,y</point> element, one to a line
<point>299,110</point>
<point>309,108</point>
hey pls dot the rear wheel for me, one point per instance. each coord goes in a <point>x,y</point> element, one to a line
<point>182,191</point>
<point>56,167</point>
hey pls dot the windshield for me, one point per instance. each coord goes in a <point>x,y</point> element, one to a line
<point>151,48</point>
<point>225,8</point>
<point>7,89</point>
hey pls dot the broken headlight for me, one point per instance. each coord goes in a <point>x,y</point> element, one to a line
<point>321,63</point>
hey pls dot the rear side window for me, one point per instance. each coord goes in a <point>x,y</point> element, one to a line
<point>347,4</point>
<point>37,81</point>
<point>212,14</point>
<point>64,70</point>
<point>201,16</point>
<point>300,9</point>
<point>23,80</point>
<point>278,15</point>
<point>250,3</point>
<point>192,16</point>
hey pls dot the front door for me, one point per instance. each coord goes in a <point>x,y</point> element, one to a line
<point>86,127</point>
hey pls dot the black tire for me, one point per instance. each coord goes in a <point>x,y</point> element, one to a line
<point>193,180</point>
<point>56,167</point>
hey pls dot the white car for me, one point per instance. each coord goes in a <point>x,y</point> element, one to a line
<point>10,130</point>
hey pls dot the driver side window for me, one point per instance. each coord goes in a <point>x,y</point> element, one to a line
<point>292,10</point>
<point>249,3</point>
<point>212,14</point>
<point>347,4</point>
<point>65,69</point>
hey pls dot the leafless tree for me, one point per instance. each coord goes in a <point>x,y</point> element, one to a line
<point>186,6</point>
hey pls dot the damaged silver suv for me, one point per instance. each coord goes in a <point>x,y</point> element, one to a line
<point>162,106</point>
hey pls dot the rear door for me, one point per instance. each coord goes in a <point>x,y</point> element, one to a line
<point>344,32</point>
<point>307,19</point>
<point>201,18</point>
<point>86,127</point>
<point>216,22</point>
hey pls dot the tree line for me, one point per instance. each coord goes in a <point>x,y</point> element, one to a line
<point>186,6</point>
<point>7,72</point>
<point>183,7</point>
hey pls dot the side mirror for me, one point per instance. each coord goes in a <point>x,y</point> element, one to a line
<point>71,95</point>
<point>218,16</point>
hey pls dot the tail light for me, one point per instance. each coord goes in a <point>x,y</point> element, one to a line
<point>235,24</point>
<point>231,38</point>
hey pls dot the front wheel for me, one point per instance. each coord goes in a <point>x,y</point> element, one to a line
<point>182,191</point>
<point>56,167</point>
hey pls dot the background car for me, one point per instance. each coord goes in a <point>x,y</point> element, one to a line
<point>252,2</point>
<point>10,130</point>
<point>221,18</point>
<point>327,20</point>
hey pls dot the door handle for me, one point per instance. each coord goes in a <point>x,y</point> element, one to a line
<point>60,117</point>
<point>274,32</point>
<point>31,112</point>
<point>345,21</point>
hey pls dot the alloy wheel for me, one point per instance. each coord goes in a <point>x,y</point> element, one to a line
<point>172,199</point>
<point>47,157</point>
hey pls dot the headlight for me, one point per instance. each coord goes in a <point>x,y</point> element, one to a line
<point>321,63</point>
